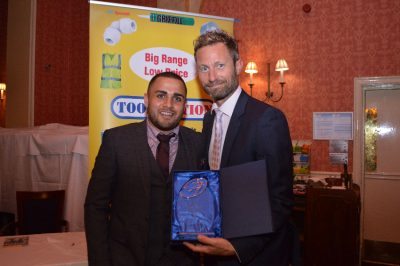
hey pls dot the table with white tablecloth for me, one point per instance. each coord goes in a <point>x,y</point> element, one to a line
<point>45,249</point>
<point>49,157</point>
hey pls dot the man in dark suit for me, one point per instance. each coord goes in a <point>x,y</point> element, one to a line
<point>128,202</point>
<point>251,130</point>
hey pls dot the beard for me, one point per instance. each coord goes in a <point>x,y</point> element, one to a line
<point>220,89</point>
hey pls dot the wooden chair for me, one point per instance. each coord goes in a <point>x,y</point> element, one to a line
<point>41,212</point>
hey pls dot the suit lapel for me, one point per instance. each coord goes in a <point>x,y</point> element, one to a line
<point>233,127</point>
<point>184,156</point>
<point>208,123</point>
<point>141,144</point>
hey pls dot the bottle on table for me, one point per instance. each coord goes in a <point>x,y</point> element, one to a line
<point>346,177</point>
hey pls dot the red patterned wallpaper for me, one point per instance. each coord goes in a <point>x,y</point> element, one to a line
<point>61,70</point>
<point>62,61</point>
<point>325,50</point>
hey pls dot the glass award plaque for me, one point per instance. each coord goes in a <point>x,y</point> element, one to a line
<point>232,202</point>
<point>195,207</point>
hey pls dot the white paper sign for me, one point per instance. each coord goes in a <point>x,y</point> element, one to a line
<point>333,125</point>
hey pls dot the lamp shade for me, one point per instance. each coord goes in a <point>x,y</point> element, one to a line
<point>281,65</point>
<point>2,90</point>
<point>251,68</point>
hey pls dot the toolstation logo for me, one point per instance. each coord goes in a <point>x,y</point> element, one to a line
<point>132,107</point>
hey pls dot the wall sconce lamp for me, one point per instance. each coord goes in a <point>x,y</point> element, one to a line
<point>251,69</point>
<point>281,66</point>
<point>2,90</point>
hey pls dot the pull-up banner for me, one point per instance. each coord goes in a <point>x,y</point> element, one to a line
<point>128,46</point>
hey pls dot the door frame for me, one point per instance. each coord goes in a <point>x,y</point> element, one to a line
<point>361,85</point>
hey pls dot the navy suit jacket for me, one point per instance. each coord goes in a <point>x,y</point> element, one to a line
<point>121,178</point>
<point>259,131</point>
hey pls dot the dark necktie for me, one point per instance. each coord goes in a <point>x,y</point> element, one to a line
<point>162,155</point>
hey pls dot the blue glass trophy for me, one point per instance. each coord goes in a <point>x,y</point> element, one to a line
<point>232,202</point>
<point>196,207</point>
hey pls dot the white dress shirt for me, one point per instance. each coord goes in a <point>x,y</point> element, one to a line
<point>227,110</point>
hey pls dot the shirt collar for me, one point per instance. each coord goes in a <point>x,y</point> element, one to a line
<point>229,105</point>
<point>153,131</point>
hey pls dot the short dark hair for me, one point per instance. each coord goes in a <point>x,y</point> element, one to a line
<point>166,74</point>
<point>214,37</point>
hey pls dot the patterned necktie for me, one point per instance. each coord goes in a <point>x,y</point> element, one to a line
<point>217,144</point>
<point>162,156</point>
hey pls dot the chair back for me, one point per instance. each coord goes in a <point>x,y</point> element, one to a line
<point>7,224</point>
<point>40,212</point>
